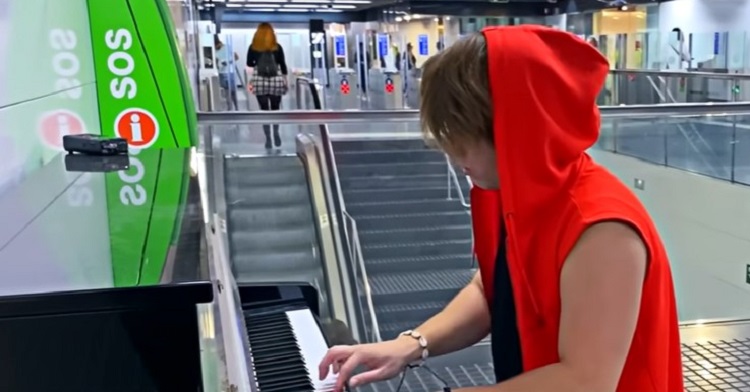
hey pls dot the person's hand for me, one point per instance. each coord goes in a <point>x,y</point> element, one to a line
<point>383,360</point>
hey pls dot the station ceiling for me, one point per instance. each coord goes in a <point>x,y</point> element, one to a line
<point>354,10</point>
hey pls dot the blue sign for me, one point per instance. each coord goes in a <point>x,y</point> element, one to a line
<point>339,44</point>
<point>423,42</point>
<point>717,39</point>
<point>383,44</point>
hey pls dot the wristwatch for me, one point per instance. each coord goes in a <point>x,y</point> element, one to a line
<point>422,344</point>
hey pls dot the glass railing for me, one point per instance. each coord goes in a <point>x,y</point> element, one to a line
<point>649,87</point>
<point>703,221</point>
<point>715,145</point>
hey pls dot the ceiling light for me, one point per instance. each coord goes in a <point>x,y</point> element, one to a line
<point>292,10</point>
<point>398,19</point>
<point>254,6</point>
<point>299,6</point>
<point>344,7</point>
<point>327,10</point>
<point>261,9</point>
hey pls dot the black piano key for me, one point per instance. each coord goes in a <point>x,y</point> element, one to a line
<point>278,358</point>
<point>273,346</point>
<point>278,364</point>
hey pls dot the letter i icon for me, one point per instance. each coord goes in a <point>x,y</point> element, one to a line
<point>135,127</point>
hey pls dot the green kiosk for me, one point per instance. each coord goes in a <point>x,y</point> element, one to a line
<point>110,67</point>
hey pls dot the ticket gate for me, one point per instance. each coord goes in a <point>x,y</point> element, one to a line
<point>412,89</point>
<point>386,89</point>
<point>343,89</point>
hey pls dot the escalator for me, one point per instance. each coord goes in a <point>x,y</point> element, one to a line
<point>416,243</point>
<point>270,218</point>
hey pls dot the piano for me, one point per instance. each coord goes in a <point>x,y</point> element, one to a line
<point>286,341</point>
<point>109,281</point>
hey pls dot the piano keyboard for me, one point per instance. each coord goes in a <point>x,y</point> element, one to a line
<point>286,348</point>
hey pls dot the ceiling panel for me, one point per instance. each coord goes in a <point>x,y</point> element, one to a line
<point>310,6</point>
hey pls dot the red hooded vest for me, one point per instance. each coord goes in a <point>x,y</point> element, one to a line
<point>544,85</point>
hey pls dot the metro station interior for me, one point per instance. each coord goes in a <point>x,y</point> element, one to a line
<point>235,244</point>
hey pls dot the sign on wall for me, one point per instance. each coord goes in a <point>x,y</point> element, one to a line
<point>383,45</point>
<point>339,44</point>
<point>423,45</point>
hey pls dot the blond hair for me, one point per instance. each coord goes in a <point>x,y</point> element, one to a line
<point>264,39</point>
<point>456,106</point>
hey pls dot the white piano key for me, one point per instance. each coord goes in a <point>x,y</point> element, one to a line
<point>312,346</point>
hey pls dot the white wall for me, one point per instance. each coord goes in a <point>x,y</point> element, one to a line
<point>705,224</point>
<point>705,16</point>
<point>410,32</point>
<point>557,21</point>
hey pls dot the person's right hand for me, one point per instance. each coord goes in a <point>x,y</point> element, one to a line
<point>383,361</point>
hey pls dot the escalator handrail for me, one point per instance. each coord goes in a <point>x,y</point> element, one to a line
<point>357,251</point>
<point>330,249</point>
<point>345,236</point>
<point>453,181</point>
<point>680,74</point>
<point>400,116</point>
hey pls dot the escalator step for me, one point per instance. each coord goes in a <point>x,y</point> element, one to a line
<point>409,283</point>
<point>411,220</point>
<point>394,182</point>
<point>273,239</point>
<point>392,169</point>
<point>271,195</point>
<point>405,206</point>
<point>353,196</point>
<point>417,249</point>
<point>416,234</point>
<point>380,145</point>
<point>419,263</point>
<point>392,156</point>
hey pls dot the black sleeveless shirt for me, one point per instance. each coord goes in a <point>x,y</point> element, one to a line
<point>506,343</point>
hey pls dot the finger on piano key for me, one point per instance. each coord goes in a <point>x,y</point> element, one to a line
<point>312,346</point>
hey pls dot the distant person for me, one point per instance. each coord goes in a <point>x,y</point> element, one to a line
<point>225,61</point>
<point>678,51</point>
<point>364,64</point>
<point>593,42</point>
<point>409,58</point>
<point>269,83</point>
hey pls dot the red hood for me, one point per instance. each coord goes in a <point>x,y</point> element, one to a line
<point>544,85</point>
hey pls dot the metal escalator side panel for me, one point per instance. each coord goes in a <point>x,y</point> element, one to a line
<point>340,296</point>
<point>140,82</point>
<point>144,206</point>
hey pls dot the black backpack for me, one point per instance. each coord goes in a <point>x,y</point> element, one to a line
<point>266,65</point>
